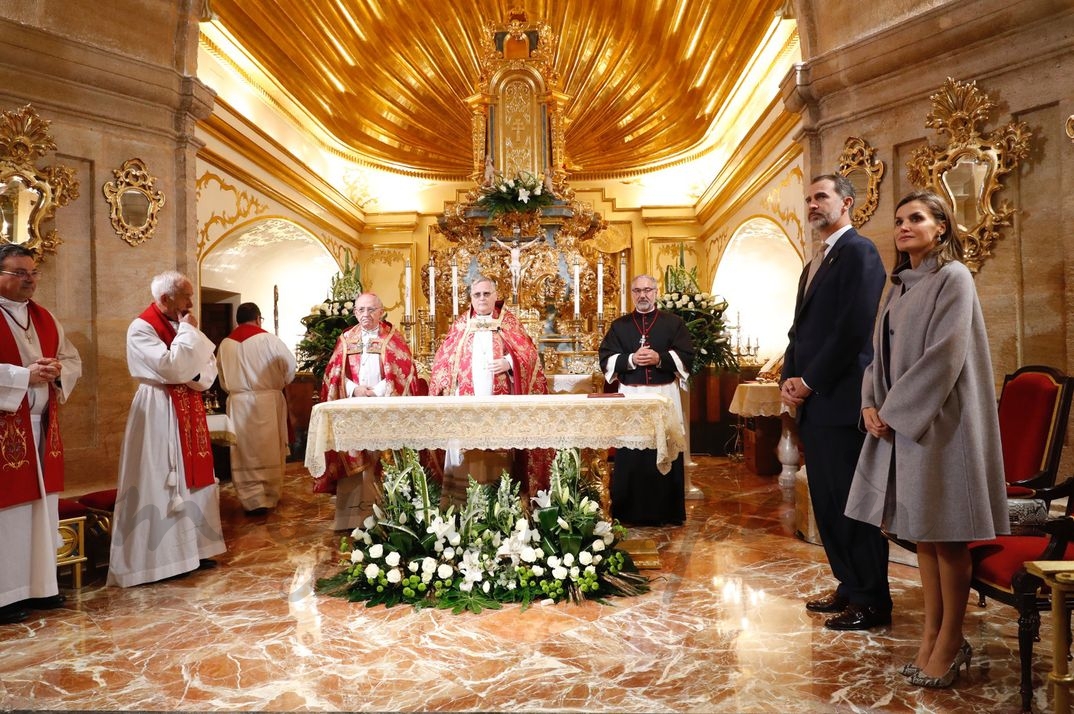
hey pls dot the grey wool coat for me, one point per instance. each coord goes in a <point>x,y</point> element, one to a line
<point>947,481</point>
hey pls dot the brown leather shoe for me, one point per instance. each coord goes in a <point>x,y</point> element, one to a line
<point>859,617</point>
<point>832,602</point>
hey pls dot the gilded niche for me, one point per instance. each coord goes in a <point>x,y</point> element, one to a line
<point>858,163</point>
<point>968,170</point>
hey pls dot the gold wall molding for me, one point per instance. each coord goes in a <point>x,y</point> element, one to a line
<point>134,202</point>
<point>858,163</point>
<point>243,205</point>
<point>969,169</point>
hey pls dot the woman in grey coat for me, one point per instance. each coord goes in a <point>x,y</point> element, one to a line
<point>931,469</point>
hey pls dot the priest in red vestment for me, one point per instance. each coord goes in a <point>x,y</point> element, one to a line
<point>38,369</point>
<point>371,359</point>
<point>487,352</point>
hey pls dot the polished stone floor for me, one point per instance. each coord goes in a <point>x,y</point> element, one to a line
<point>723,630</point>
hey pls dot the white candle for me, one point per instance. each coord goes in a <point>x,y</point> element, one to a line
<point>577,286</point>
<point>406,290</point>
<point>600,285</point>
<point>454,287</point>
<point>622,284</point>
<point>432,289</point>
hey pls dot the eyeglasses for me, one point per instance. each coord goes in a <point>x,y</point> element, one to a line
<point>22,274</point>
<point>481,295</point>
<point>366,310</point>
<point>642,291</point>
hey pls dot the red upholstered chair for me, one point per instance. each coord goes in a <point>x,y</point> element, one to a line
<point>1033,410</point>
<point>999,573</point>
<point>101,506</point>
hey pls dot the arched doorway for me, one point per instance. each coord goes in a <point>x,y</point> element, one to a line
<point>758,276</point>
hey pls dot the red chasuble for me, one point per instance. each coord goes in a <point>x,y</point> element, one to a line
<point>18,453</point>
<point>396,365</point>
<point>189,412</point>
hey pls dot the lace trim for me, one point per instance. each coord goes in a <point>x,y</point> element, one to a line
<point>503,422</point>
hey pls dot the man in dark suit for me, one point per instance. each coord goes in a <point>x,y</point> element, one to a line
<point>830,347</point>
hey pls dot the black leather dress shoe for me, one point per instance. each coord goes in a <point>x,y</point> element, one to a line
<point>859,617</point>
<point>51,602</point>
<point>10,614</point>
<point>206,564</point>
<point>829,603</point>
<point>259,511</point>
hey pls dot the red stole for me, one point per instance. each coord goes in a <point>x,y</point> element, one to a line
<point>244,332</point>
<point>18,452</point>
<point>189,412</point>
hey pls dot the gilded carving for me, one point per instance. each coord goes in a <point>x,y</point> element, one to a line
<point>30,195</point>
<point>968,170</point>
<point>243,205</point>
<point>134,202</point>
<point>858,163</point>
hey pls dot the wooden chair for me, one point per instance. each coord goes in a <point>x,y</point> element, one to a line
<point>101,506</point>
<point>999,573</point>
<point>1034,407</point>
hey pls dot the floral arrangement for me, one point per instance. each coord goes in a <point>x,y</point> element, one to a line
<point>703,314</point>
<point>492,551</point>
<point>524,192</point>
<point>327,321</point>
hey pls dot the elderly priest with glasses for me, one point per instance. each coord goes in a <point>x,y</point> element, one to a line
<point>647,351</point>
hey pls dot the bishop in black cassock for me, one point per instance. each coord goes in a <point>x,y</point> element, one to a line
<point>647,350</point>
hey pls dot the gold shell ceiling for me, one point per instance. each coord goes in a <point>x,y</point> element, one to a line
<point>388,78</point>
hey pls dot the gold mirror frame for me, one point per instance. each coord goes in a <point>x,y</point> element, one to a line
<point>135,203</point>
<point>1070,126</point>
<point>29,195</point>
<point>858,163</point>
<point>980,161</point>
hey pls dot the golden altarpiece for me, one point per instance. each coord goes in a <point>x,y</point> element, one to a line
<point>538,248</point>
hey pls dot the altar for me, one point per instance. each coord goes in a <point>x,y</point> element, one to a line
<point>533,421</point>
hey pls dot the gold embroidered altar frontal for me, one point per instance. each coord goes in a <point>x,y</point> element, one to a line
<point>530,421</point>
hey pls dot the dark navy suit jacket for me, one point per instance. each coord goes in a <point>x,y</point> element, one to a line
<point>830,341</point>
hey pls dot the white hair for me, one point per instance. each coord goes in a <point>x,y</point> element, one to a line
<point>167,283</point>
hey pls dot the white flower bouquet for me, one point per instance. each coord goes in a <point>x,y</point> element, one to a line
<point>521,193</point>
<point>490,552</point>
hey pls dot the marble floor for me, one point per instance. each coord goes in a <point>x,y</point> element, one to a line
<point>723,630</point>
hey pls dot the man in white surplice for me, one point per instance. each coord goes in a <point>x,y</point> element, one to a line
<point>255,366</point>
<point>167,517</point>
<point>38,369</point>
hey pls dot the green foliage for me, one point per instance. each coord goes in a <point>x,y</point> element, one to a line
<point>327,321</point>
<point>523,193</point>
<point>703,314</point>
<point>491,552</point>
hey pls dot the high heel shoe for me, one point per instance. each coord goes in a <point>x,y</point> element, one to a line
<point>909,669</point>
<point>962,657</point>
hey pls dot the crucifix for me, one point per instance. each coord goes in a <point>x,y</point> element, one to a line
<point>515,264</point>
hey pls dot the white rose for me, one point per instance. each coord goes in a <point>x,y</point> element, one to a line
<point>553,561</point>
<point>538,571</point>
<point>394,575</point>
<point>444,571</point>
<point>559,573</point>
<point>412,566</point>
<point>371,571</point>
<point>585,557</point>
<point>568,559</point>
<point>528,554</point>
<point>598,545</point>
<point>376,551</point>
<point>449,553</point>
<point>393,559</point>
<point>357,556</point>
<point>428,565</point>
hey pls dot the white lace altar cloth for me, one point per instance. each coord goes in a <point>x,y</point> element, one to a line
<point>757,399</point>
<point>532,421</point>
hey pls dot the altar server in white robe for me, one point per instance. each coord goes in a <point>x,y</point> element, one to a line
<point>167,517</point>
<point>38,369</point>
<point>255,366</point>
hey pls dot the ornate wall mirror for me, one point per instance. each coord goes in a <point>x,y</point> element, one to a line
<point>858,163</point>
<point>968,170</point>
<point>134,201</point>
<point>1070,126</point>
<point>29,195</point>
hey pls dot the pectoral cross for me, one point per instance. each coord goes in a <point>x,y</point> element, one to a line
<point>641,341</point>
